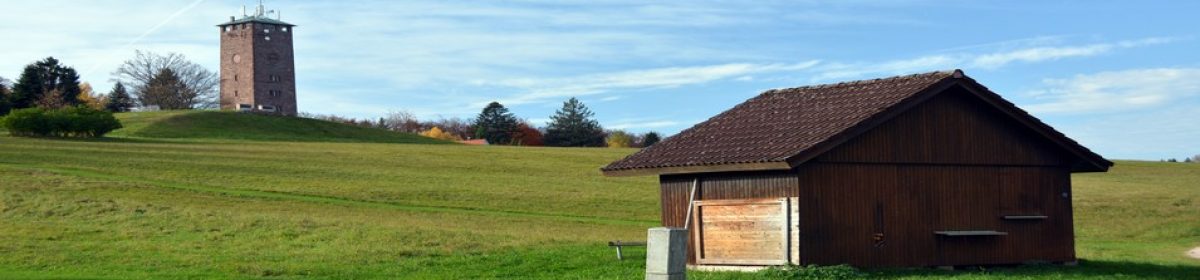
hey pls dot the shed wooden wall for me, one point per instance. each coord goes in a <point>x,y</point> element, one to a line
<point>675,190</point>
<point>951,163</point>
<point>842,207</point>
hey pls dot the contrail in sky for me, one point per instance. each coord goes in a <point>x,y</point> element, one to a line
<point>152,30</point>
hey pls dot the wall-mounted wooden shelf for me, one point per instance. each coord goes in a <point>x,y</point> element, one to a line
<point>957,233</point>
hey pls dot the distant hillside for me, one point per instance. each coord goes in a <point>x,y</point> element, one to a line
<point>241,126</point>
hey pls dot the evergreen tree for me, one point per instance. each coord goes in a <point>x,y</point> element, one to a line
<point>42,77</point>
<point>68,85</point>
<point>573,126</point>
<point>166,91</point>
<point>4,95</point>
<point>119,99</point>
<point>651,138</point>
<point>495,124</point>
<point>29,88</point>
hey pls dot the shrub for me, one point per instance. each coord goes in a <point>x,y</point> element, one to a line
<point>27,122</point>
<point>67,122</point>
<point>814,272</point>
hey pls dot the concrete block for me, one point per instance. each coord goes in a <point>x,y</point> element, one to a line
<point>666,253</point>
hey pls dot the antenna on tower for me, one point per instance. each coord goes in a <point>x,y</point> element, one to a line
<point>243,10</point>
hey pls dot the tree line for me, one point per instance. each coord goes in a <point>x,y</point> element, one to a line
<point>1193,159</point>
<point>573,125</point>
<point>148,79</point>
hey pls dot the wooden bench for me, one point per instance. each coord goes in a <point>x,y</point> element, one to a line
<point>618,244</point>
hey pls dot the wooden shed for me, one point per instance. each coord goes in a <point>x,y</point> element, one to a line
<point>929,169</point>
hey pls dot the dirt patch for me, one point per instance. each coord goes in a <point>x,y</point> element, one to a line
<point>1194,253</point>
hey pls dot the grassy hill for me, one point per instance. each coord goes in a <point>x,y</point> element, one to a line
<point>232,209</point>
<point>240,126</point>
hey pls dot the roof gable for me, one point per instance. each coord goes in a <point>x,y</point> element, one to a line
<point>780,129</point>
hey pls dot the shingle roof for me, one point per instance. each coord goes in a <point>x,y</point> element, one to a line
<point>768,130</point>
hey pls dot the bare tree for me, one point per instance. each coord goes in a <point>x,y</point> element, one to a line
<point>402,121</point>
<point>456,126</point>
<point>198,85</point>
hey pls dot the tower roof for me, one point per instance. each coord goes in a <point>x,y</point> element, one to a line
<point>260,15</point>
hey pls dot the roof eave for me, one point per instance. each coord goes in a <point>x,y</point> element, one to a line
<point>654,171</point>
<point>241,21</point>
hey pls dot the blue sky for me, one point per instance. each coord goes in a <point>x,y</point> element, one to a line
<point>1121,77</point>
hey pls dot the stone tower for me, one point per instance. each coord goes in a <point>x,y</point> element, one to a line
<point>258,70</point>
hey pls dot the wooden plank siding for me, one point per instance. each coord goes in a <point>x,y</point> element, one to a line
<point>950,164</point>
<point>742,231</point>
<point>675,190</point>
<point>954,128</point>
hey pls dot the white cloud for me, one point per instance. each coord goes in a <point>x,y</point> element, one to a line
<point>990,60</point>
<point>642,125</point>
<point>1116,91</point>
<point>1037,54</point>
<point>537,90</point>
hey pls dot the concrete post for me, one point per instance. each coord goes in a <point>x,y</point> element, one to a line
<point>666,253</point>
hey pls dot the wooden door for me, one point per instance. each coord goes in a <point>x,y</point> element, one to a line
<point>744,231</point>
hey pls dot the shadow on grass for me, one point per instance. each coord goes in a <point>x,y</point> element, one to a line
<point>217,125</point>
<point>1085,269</point>
<point>132,140</point>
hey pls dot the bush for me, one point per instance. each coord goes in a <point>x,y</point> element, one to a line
<point>814,272</point>
<point>67,122</point>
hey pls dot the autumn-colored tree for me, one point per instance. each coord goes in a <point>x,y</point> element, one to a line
<point>437,133</point>
<point>90,98</point>
<point>527,135</point>
<point>619,139</point>
<point>51,100</point>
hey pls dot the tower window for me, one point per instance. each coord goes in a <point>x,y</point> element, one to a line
<point>274,78</point>
<point>285,29</point>
<point>235,78</point>
<point>268,31</point>
<point>235,93</point>
<point>268,38</point>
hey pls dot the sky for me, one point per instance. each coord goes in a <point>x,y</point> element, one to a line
<point>1121,77</point>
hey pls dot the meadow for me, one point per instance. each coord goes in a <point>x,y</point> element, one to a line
<point>174,195</point>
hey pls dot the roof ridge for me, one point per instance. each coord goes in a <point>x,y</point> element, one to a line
<point>954,72</point>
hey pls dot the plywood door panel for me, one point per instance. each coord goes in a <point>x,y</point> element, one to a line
<point>742,232</point>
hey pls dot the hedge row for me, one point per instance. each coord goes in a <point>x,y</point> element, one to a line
<point>80,122</point>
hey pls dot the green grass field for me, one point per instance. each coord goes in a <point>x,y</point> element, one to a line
<point>179,196</point>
